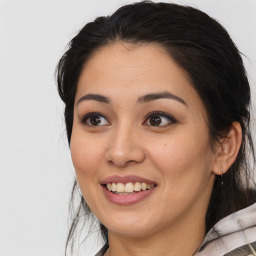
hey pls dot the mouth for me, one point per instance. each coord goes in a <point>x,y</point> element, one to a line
<point>127,190</point>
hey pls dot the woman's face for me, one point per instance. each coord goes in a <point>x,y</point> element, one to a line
<point>137,119</point>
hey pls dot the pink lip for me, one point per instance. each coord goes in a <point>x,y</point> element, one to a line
<point>126,199</point>
<point>125,179</point>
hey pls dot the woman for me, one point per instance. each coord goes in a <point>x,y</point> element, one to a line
<point>156,109</point>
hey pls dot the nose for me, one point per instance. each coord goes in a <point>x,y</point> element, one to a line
<point>125,147</point>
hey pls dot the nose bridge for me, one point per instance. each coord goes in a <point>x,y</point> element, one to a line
<point>124,146</point>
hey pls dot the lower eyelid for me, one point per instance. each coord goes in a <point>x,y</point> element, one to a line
<point>84,118</point>
<point>162,115</point>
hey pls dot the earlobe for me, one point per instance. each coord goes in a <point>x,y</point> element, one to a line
<point>228,149</point>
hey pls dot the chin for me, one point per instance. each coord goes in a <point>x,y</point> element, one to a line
<point>128,230</point>
<point>130,225</point>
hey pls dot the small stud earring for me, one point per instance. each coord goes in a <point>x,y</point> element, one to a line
<point>221,177</point>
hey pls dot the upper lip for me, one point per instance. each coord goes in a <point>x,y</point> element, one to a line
<point>125,179</point>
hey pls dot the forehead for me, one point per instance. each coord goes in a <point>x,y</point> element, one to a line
<point>141,61</point>
<point>123,70</point>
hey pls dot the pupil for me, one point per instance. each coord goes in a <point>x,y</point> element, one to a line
<point>155,120</point>
<point>95,120</point>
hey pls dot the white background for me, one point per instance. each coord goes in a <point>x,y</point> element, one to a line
<point>36,172</point>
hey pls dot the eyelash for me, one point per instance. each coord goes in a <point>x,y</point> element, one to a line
<point>160,114</point>
<point>86,117</point>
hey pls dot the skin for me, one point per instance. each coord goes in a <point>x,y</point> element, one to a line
<point>177,155</point>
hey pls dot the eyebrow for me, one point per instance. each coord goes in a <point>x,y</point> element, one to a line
<point>96,97</point>
<point>162,95</point>
<point>143,99</point>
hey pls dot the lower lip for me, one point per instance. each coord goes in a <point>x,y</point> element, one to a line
<point>127,199</point>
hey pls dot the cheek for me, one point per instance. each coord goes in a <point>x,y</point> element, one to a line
<point>185,169</point>
<point>182,158</point>
<point>86,154</point>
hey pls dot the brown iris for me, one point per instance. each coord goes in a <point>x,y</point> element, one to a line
<point>155,120</point>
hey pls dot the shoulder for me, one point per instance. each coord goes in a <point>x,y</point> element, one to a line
<point>235,235</point>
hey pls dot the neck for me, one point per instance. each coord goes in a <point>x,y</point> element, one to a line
<point>175,240</point>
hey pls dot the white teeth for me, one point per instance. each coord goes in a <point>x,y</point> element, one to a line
<point>128,187</point>
<point>119,187</point>
<point>143,186</point>
<point>109,186</point>
<point>114,187</point>
<point>137,186</point>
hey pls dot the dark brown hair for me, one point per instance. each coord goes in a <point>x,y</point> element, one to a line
<point>204,49</point>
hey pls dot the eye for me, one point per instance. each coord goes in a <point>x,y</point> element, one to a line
<point>159,119</point>
<point>94,119</point>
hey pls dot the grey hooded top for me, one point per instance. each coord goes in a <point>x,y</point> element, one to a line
<point>235,235</point>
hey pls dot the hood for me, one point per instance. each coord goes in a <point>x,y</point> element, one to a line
<point>234,235</point>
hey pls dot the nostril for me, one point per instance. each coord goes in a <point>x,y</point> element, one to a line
<point>121,163</point>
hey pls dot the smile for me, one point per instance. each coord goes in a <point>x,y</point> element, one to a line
<point>127,190</point>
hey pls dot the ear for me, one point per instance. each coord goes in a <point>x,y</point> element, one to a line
<point>227,149</point>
